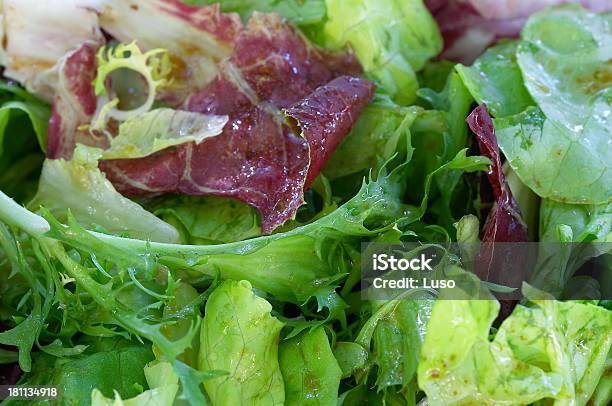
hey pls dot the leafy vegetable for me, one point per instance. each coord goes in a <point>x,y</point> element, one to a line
<point>117,371</point>
<point>301,12</point>
<point>580,223</point>
<point>310,371</point>
<point>538,118</point>
<point>567,75</point>
<point>603,393</point>
<point>208,220</point>
<point>496,80</point>
<point>241,337</point>
<point>565,231</point>
<point>382,127</point>
<point>153,66</point>
<point>397,340</point>
<point>23,130</point>
<point>438,135</point>
<point>36,111</point>
<point>79,186</point>
<point>556,350</point>
<point>163,384</point>
<point>276,118</point>
<point>504,222</point>
<point>552,161</point>
<point>39,37</point>
<point>392,39</point>
<point>560,149</point>
<point>147,133</point>
<point>307,251</point>
<point>315,265</point>
<point>95,286</point>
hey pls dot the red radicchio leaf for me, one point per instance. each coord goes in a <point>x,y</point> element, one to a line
<point>74,103</point>
<point>224,26</point>
<point>260,158</point>
<point>503,263</point>
<point>196,38</point>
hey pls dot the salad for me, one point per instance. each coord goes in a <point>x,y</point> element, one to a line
<point>190,191</point>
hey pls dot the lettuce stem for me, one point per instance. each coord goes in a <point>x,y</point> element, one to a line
<point>15,215</point>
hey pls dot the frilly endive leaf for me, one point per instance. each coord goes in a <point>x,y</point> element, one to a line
<point>154,67</point>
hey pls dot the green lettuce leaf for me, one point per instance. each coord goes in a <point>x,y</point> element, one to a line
<point>553,161</point>
<point>36,112</point>
<point>241,337</point>
<point>555,350</point>
<point>118,371</point>
<point>25,294</point>
<point>185,302</point>
<point>435,74</point>
<point>438,135</point>
<point>8,357</point>
<point>352,358</point>
<point>582,223</point>
<point>79,186</point>
<point>23,134</point>
<point>292,266</point>
<point>163,384</point>
<point>564,56</point>
<point>496,80</point>
<point>147,133</point>
<point>300,12</point>
<point>385,352</point>
<point>603,392</point>
<point>392,39</point>
<point>396,344</point>
<point>208,220</point>
<point>14,99</point>
<point>382,126</point>
<point>23,337</point>
<point>310,370</point>
<point>566,224</point>
<point>560,149</point>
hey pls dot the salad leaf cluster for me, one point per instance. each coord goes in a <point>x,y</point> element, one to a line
<point>551,102</point>
<point>174,300</point>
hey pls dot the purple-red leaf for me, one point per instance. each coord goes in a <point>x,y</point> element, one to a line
<point>288,107</point>
<point>74,103</point>
<point>504,223</point>
<point>196,38</point>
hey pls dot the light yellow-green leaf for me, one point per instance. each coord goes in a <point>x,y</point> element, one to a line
<point>150,132</point>
<point>80,186</point>
<point>240,336</point>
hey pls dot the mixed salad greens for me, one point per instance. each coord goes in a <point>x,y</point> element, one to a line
<point>186,188</point>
